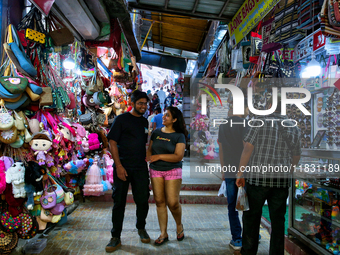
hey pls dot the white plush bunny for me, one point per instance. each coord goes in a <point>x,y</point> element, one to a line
<point>16,175</point>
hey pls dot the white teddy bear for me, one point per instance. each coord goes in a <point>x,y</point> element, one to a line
<point>16,175</point>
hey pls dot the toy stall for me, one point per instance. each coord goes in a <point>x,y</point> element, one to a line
<point>58,98</point>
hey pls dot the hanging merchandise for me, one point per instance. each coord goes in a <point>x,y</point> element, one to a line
<point>327,29</point>
<point>246,53</point>
<point>315,42</point>
<point>59,33</point>
<point>286,23</point>
<point>308,12</point>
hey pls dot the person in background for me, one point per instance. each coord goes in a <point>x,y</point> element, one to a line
<point>127,142</point>
<point>155,102</point>
<point>165,154</point>
<point>230,140</point>
<point>170,100</point>
<point>150,118</point>
<point>161,96</point>
<point>268,146</point>
<point>157,121</point>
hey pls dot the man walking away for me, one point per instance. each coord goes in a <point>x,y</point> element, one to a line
<point>271,145</point>
<point>230,139</point>
<point>127,140</point>
<point>161,96</point>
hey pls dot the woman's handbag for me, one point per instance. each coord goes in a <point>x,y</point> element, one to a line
<point>58,209</point>
<point>6,120</point>
<point>20,54</point>
<point>8,242</point>
<point>9,136</point>
<point>19,121</point>
<point>46,215</point>
<point>49,199</point>
<point>29,226</point>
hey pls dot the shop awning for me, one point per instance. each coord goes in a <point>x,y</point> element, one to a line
<point>164,61</point>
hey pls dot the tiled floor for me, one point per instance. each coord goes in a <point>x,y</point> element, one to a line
<point>88,231</point>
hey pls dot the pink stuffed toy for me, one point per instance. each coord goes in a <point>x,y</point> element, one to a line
<point>94,143</point>
<point>109,168</point>
<point>2,177</point>
<point>85,145</point>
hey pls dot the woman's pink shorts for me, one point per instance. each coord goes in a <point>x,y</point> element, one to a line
<point>172,174</point>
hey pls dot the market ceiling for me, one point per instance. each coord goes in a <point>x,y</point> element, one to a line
<point>180,27</point>
<point>222,10</point>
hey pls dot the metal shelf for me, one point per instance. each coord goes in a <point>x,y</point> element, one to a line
<point>321,153</point>
<point>317,184</point>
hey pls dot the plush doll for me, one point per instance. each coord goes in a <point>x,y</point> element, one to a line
<point>34,174</point>
<point>2,177</point>
<point>16,175</point>
<point>75,167</point>
<point>109,168</point>
<point>85,145</point>
<point>41,143</point>
<point>94,143</point>
<point>80,133</point>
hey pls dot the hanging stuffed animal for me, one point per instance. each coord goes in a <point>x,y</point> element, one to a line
<point>34,174</point>
<point>41,143</point>
<point>16,175</point>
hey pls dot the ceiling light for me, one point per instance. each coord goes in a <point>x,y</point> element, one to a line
<point>313,69</point>
<point>69,63</point>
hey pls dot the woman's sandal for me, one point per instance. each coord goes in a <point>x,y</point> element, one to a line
<point>159,241</point>
<point>179,237</point>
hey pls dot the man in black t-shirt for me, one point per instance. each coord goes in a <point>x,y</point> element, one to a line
<point>127,140</point>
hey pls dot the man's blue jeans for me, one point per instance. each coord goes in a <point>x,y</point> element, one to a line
<point>234,221</point>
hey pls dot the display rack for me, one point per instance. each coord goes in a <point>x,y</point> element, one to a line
<point>314,216</point>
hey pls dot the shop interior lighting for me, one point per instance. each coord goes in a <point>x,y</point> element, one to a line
<point>69,63</point>
<point>176,76</point>
<point>313,69</point>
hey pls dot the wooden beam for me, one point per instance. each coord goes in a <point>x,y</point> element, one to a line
<point>160,28</point>
<point>195,6</point>
<point>166,4</point>
<point>223,8</point>
<point>198,15</point>
<point>176,24</point>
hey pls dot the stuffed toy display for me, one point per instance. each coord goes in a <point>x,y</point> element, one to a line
<point>41,143</point>
<point>15,175</point>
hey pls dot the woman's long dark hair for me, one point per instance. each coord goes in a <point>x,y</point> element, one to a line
<point>179,125</point>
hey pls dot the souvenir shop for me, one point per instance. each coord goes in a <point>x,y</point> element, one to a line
<point>295,45</point>
<point>58,97</point>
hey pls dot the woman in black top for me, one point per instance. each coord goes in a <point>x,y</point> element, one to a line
<point>165,155</point>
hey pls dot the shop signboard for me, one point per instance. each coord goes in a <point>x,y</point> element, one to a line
<point>314,42</point>
<point>247,17</point>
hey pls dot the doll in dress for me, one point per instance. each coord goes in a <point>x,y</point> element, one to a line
<point>41,143</point>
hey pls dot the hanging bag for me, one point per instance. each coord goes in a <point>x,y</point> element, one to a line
<point>60,34</point>
<point>49,198</point>
<point>6,120</point>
